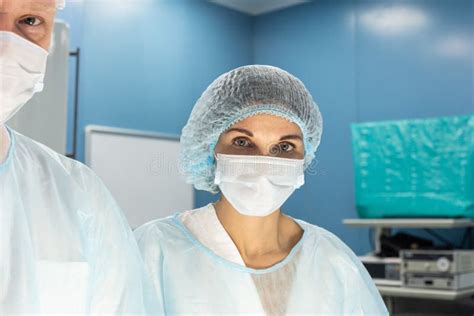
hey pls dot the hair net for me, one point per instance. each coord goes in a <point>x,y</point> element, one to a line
<point>60,4</point>
<point>234,96</point>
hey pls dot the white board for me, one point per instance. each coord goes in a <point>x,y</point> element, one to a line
<point>141,170</point>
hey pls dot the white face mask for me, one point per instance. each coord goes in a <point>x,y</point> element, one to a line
<point>22,69</point>
<point>258,185</point>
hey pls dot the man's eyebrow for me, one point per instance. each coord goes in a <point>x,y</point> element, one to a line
<point>241,130</point>
<point>294,136</point>
<point>41,7</point>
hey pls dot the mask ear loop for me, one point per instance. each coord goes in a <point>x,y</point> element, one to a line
<point>300,181</point>
<point>217,174</point>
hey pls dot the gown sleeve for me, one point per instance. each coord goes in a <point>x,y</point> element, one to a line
<point>148,239</point>
<point>361,296</point>
<point>119,283</point>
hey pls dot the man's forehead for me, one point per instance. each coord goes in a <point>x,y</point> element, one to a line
<point>33,6</point>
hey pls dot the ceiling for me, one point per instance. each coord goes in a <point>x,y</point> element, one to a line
<point>256,7</point>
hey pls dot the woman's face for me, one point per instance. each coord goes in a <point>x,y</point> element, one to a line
<point>264,135</point>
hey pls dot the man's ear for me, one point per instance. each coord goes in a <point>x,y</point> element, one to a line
<point>51,43</point>
<point>60,4</point>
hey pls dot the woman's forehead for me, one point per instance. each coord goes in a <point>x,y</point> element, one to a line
<point>263,122</point>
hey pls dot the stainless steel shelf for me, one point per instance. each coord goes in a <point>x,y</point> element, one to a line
<point>394,291</point>
<point>410,222</point>
<point>383,226</point>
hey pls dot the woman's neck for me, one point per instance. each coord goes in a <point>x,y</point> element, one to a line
<point>261,241</point>
<point>4,143</point>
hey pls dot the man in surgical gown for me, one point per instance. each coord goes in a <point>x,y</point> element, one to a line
<point>65,246</point>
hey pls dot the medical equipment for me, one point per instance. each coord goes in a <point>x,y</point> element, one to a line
<point>438,281</point>
<point>384,271</point>
<point>415,168</point>
<point>438,261</point>
<point>438,269</point>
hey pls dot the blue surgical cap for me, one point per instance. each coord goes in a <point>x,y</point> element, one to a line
<point>234,96</point>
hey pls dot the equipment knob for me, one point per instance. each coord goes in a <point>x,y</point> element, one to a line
<point>443,264</point>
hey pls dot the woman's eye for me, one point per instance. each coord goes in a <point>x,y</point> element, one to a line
<point>31,21</point>
<point>286,147</point>
<point>241,142</point>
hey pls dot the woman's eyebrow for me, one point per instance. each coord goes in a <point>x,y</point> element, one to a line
<point>249,133</point>
<point>241,130</point>
<point>291,137</point>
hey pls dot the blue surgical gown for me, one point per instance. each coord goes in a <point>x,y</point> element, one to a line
<point>320,276</point>
<point>65,246</point>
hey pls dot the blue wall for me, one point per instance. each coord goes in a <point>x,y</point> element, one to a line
<point>368,61</point>
<point>144,63</point>
<point>144,66</point>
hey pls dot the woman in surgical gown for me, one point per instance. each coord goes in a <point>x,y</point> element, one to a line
<point>251,136</point>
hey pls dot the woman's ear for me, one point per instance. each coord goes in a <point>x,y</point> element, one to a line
<point>215,154</point>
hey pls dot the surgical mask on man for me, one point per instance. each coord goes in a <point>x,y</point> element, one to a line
<point>258,185</point>
<point>22,70</point>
